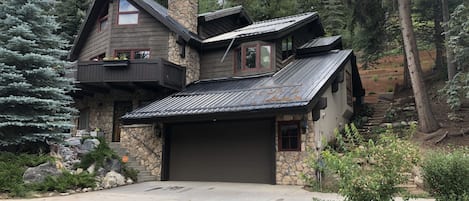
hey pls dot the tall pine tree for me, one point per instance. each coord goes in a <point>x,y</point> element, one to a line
<point>34,104</point>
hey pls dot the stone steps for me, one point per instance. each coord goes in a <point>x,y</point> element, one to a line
<point>143,174</point>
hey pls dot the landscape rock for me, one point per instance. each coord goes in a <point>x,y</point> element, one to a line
<point>113,179</point>
<point>101,172</point>
<point>129,181</point>
<point>112,165</point>
<point>89,145</point>
<point>91,168</point>
<point>410,108</point>
<point>39,173</point>
<point>74,141</point>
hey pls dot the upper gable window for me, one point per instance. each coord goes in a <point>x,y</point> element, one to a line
<point>287,47</point>
<point>103,18</point>
<point>253,57</point>
<point>128,14</point>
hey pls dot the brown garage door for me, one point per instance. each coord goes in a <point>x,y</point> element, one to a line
<point>225,151</point>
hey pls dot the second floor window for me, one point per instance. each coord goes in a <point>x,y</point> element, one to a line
<point>133,54</point>
<point>103,18</point>
<point>128,14</point>
<point>253,57</point>
<point>287,47</point>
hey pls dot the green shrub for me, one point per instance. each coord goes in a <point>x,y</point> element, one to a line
<point>66,181</point>
<point>12,168</point>
<point>446,175</point>
<point>370,170</point>
<point>130,173</point>
<point>98,156</point>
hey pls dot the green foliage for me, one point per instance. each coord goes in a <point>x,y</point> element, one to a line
<point>456,90</point>
<point>459,35</point>
<point>66,181</point>
<point>370,170</point>
<point>361,116</point>
<point>98,156</point>
<point>12,168</point>
<point>70,14</point>
<point>208,6</point>
<point>34,96</point>
<point>131,173</point>
<point>446,174</point>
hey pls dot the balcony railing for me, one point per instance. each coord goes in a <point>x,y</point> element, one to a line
<point>166,74</point>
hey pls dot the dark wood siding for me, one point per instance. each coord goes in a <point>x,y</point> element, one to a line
<point>149,33</point>
<point>211,67</point>
<point>98,42</point>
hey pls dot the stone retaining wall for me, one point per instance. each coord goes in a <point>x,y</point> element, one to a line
<point>142,142</point>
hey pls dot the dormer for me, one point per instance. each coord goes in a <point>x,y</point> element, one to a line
<point>260,48</point>
<point>222,21</point>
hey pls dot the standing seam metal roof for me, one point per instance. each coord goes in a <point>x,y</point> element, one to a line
<point>295,85</point>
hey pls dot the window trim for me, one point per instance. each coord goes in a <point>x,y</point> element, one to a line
<point>290,52</point>
<point>102,18</point>
<point>279,135</point>
<point>242,48</point>
<point>127,12</point>
<point>132,52</point>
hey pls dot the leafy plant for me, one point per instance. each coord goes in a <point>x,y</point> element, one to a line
<point>130,173</point>
<point>370,170</point>
<point>446,174</point>
<point>455,90</point>
<point>66,181</point>
<point>98,156</point>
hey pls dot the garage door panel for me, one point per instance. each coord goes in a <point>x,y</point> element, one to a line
<point>235,151</point>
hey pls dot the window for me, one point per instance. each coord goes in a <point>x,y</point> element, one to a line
<point>128,14</point>
<point>103,18</point>
<point>133,54</point>
<point>83,120</point>
<point>348,82</point>
<point>289,138</point>
<point>287,47</point>
<point>99,57</point>
<point>253,57</point>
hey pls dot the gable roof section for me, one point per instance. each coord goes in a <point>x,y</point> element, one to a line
<point>261,28</point>
<point>318,45</point>
<point>237,10</point>
<point>297,86</point>
<point>154,9</point>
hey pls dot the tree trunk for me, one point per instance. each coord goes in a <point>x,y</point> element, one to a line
<point>438,38</point>
<point>427,122</point>
<point>449,54</point>
<point>406,82</point>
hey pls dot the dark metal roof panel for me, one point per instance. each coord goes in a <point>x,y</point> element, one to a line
<point>296,85</point>
<point>318,45</point>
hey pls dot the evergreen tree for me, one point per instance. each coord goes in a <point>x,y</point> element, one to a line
<point>70,14</point>
<point>208,6</point>
<point>34,103</point>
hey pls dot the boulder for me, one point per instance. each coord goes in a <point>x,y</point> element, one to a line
<point>112,165</point>
<point>91,168</point>
<point>89,145</point>
<point>39,173</point>
<point>113,179</point>
<point>74,141</point>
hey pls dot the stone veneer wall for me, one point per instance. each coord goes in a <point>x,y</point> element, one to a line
<point>291,164</point>
<point>141,142</point>
<point>186,13</point>
<point>190,61</point>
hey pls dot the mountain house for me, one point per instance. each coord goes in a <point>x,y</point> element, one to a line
<point>213,96</point>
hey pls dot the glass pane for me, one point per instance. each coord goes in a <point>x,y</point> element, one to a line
<point>125,6</point>
<point>238,59</point>
<point>128,18</point>
<point>284,44</point>
<point>251,57</point>
<point>265,56</point>
<point>142,54</point>
<point>123,55</point>
<point>290,43</point>
<point>103,24</point>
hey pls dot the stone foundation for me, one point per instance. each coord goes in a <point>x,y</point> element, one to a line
<point>290,165</point>
<point>141,142</point>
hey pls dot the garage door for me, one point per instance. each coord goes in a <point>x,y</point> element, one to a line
<point>225,151</point>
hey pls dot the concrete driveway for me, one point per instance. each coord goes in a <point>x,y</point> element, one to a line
<point>199,191</point>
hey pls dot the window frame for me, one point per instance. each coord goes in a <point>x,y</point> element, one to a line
<point>288,51</point>
<point>119,13</point>
<point>102,18</point>
<point>258,45</point>
<point>132,53</point>
<point>280,138</point>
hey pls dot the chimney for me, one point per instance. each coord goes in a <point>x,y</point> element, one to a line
<point>185,12</point>
<point>179,52</point>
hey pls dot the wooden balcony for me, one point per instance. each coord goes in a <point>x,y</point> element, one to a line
<point>155,72</point>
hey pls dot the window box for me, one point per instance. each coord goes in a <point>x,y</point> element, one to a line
<point>116,63</point>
